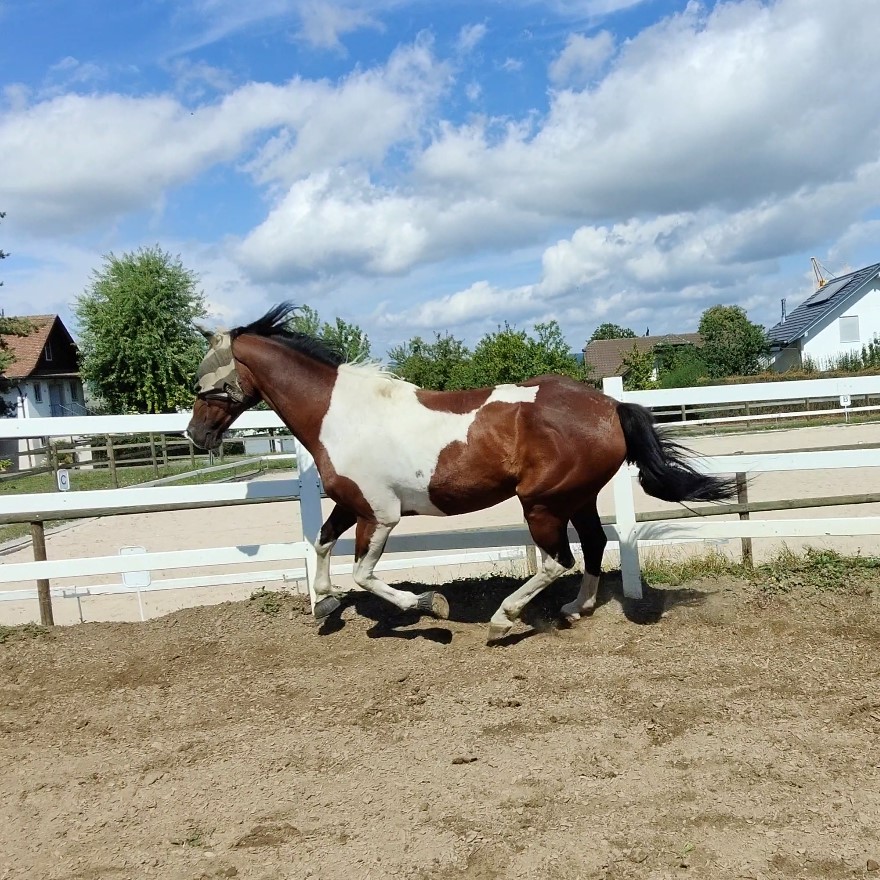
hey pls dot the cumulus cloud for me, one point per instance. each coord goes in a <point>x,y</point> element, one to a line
<point>720,107</point>
<point>340,222</point>
<point>121,153</point>
<point>581,59</point>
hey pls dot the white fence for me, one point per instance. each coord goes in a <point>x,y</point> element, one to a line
<point>468,545</point>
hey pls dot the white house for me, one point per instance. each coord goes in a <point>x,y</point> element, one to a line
<point>839,318</point>
<point>42,380</point>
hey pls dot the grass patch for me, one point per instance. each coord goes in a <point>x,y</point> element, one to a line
<point>267,601</point>
<point>23,631</point>
<point>814,570</point>
<point>817,570</point>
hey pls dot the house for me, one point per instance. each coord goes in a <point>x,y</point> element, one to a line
<point>44,375</point>
<point>605,356</point>
<point>839,318</point>
<point>42,380</point>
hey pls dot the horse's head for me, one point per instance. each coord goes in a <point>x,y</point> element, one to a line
<point>224,390</point>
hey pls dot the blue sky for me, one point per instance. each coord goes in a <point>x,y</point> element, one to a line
<point>421,166</point>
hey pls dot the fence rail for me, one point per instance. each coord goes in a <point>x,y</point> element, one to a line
<point>628,529</point>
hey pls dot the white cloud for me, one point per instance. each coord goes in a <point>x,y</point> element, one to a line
<point>725,107</point>
<point>340,222</point>
<point>581,59</point>
<point>470,35</point>
<point>512,65</point>
<point>322,24</point>
<point>121,153</point>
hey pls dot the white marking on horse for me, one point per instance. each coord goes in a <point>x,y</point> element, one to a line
<point>378,434</point>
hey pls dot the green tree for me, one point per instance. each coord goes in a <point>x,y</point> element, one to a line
<point>306,320</point>
<point>511,355</point>
<point>732,344</point>
<point>139,348</point>
<point>679,366</point>
<point>435,365</point>
<point>612,331</point>
<point>638,369</point>
<point>348,339</point>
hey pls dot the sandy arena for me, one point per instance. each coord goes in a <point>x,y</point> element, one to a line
<point>713,731</point>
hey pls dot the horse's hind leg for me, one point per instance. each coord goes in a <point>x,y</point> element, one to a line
<point>340,520</point>
<point>370,541</point>
<point>549,531</point>
<point>589,528</point>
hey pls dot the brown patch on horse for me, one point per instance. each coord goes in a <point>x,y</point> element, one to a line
<point>495,463</point>
<point>457,402</point>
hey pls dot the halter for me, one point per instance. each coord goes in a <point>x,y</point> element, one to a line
<point>217,376</point>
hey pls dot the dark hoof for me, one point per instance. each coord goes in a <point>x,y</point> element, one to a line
<point>326,606</point>
<point>433,603</point>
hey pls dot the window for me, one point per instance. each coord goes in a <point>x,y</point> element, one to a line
<point>38,392</point>
<point>47,351</point>
<point>849,328</point>
<point>74,391</point>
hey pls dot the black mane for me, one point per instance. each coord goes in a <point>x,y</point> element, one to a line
<point>275,325</point>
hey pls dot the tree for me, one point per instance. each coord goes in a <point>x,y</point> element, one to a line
<point>612,331</point>
<point>638,372</point>
<point>139,348</point>
<point>435,365</point>
<point>732,344</point>
<point>348,339</point>
<point>679,366</point>
<point>510,355</point>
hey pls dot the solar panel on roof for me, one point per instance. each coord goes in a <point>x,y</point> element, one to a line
<point>824,293</point>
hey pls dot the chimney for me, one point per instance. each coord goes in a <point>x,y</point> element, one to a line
<point>783,311</point>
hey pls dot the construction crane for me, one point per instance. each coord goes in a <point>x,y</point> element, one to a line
<point>821,280</point>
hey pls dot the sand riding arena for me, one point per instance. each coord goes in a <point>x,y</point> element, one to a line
<point>718,729</point>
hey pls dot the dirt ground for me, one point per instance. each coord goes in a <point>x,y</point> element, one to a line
<point>713,732</point>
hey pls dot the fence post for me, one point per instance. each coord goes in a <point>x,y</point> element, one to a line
<point>309,504</point>
<point>625,513</point>
<point>192,455</point>
<point>742,497</point>
<point>111,460</point>
<point>44,595</point>
<point>163,441</point>
<point>153,459</point>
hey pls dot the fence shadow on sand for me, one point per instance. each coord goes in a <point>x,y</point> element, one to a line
<point>475,600</point>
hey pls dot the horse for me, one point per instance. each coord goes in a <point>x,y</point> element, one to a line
<point>386,449</point>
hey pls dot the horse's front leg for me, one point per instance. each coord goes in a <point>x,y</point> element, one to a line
<point>370,541</point>
<point>326,595</point>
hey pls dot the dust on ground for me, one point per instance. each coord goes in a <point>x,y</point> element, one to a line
<point>713,732</point>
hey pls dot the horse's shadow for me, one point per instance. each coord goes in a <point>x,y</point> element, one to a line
<point>475,600</point>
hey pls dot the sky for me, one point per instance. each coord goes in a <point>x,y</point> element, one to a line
<point>421,166</point>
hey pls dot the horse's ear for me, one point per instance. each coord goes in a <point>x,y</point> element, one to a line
<point>208,334</point>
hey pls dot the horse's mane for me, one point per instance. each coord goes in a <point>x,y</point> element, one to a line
<point>275,324</point>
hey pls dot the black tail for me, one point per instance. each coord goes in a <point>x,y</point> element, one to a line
<point>664,471</point>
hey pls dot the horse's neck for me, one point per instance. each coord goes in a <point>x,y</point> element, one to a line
<point>295,385</point>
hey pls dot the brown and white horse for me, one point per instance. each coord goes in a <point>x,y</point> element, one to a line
<point>386,448</point>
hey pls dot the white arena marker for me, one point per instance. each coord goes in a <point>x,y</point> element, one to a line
<point>136,580</point>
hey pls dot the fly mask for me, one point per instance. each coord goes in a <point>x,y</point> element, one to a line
<point>217,376</point>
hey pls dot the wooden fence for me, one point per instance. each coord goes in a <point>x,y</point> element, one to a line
<point>627,529</point>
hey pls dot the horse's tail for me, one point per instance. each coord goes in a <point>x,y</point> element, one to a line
<point>664,471</point>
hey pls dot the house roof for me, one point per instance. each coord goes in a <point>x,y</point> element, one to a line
<point>825,300</point>
<point>605,356</point>
<point>27,349</point>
